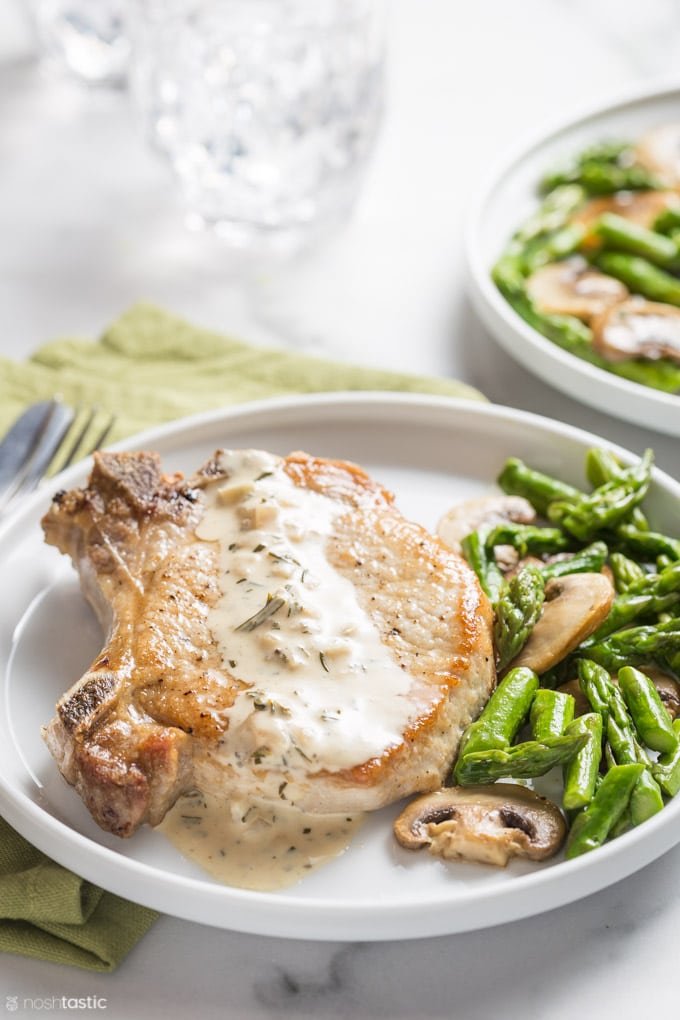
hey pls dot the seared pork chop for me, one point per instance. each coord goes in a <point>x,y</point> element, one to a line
<point>276,630</point>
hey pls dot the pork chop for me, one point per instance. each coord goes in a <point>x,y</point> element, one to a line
<point>275,630</point>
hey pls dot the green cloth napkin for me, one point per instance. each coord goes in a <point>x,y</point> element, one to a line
<point>49,913</point>
<point>149,367</point>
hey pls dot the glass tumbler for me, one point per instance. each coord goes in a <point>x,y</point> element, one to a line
<point>266,109</point>
<point>84,38</point>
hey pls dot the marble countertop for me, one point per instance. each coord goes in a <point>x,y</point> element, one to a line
<point>91,224</point>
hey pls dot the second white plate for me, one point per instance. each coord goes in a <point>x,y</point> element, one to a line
<point>506,200</point>
<point>430,452</point>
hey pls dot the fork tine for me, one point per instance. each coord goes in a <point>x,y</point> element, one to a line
<point>103,435</point>
<point>55,429</point>
<point>74,445</point>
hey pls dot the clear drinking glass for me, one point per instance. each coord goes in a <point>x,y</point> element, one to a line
<point>266,109</point>
<point>86,38</point>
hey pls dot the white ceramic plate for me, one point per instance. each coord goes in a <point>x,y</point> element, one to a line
<point>504,203</point>
<point>430,452</point>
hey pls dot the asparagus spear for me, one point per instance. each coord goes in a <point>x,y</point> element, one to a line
<point>623,746</point>
<point>481,559</point>
<point>602,177</point>
<point>640,276</point>
<point>594,824</point>
<point>603,466</point>
<point>588,561</point>
<point>625,571</point>
<point>581,773</point>
<point>518,608</point>
<point>649,595</point>
<point>608,505</point>
<point>551,713</point>
<point>554,247</point>
<point>517,479</point>
<point>635,645</point>
<point>667,221</point>
<point>647,546</point>
<point>528,538</point>
<point>623,235</point>
<point>502,715</point>
<point>666,769</point>
<point>651,717</point>
<point>553,213</point>
<point>523,761</point>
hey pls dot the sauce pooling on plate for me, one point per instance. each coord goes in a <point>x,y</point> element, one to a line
<point>256,847</point>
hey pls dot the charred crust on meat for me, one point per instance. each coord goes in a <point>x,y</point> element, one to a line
<point>87,701</point>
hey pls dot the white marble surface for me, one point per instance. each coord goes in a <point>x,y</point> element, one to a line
<point>90,224</point>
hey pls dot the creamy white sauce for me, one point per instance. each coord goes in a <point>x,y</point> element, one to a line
<point>323,690</point>
<point>256,847</point>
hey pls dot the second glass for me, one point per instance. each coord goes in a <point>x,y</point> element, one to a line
<point>267,109</point>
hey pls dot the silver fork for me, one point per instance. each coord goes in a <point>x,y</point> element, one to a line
<point>50,434</point>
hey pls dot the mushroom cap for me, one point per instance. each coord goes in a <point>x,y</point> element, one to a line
<point>575,606</point>
<point>658,150</point>
<point>465,517</point>
<point>488,824</point>
<point>637,329</point>
<point>573,288</point>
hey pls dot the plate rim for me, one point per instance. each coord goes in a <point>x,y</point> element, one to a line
<point>542,356</point>
<point>476,907</point>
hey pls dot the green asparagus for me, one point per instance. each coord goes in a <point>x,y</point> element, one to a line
<point>650,716</point>
<point>521,761</point>
<point>623,235</point>
<point>635,645</point>
<point>666,770</point>
<point>502,715</point>
<point>588,561</point>
<point>518,608</point>
<point>605,507</point>
<point>551,713</point>
<point>581,773</point>
<point>625,571</point>
<point>482,560</point>
<point>517,479</point>
<point>640,276</point>
<point>593,825</point>
<point>646,596</point>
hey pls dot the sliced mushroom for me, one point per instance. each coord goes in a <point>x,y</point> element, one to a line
<point>575,606</point>
<point>641,207</point>
<point>638,329</point>
<point>488,824</point>
<point>466,517</point>
<point>573,288</point>
<point>659,152</point>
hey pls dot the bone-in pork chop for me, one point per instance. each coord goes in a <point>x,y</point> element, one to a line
<point>276,630</point>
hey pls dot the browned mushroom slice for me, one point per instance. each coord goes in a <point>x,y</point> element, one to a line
<point>466,517</point>
<point>571,288</point>
<point>641,207</point>
<point>488,824</point>
<point>575,606</point>
<point>659,152</point>
<point>638,329</point>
